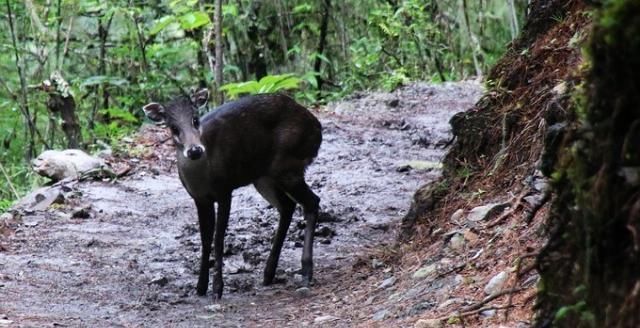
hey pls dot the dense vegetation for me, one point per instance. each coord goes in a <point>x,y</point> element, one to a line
<point>590,268</point>
<point>74,73</point>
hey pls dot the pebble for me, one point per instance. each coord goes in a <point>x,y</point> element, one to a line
<point>376,264</point>
<point>483,212</point>
<point>80,213</point>
<point>159,280</point>
<point>457,215</point>
<point>214,308</point>
<point>428,323</point>
<point>488,313</point>
<point>496,283</point>
<point>387,283</point>
<point>425,271</point>
<point>380,315</point>
<point>457,242</point>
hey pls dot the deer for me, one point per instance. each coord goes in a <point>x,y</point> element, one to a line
<point>267,140</point>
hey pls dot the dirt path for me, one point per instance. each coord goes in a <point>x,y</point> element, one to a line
<point>133,261</point>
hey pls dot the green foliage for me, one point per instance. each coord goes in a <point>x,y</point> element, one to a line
<point>267,84</point>
<point>118,55</point>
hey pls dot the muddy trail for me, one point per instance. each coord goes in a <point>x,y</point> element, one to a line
<point>125,253</point>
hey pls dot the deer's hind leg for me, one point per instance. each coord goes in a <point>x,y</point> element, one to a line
<point>285,206</point>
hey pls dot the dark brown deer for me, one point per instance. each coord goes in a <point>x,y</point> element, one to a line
<point>266,140</point>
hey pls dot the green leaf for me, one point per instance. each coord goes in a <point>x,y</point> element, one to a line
<point>302,9</point>
<point>193,20</point>
<point>230,10</point>
<point>161,24</point>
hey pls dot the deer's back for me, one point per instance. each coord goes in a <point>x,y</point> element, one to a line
<point>244,139</point>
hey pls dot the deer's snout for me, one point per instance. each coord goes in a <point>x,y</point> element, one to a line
<point>194,152</point>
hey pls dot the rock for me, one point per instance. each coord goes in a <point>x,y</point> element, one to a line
<point>377,264</point>
<point>215,308</point>
<point>470,236</point>
<point>420,307</point>
<point>69,163</point>
<point>533,200</point>
<point>403,168</point>
<point>5,323</point>
<point>303,291</point>
<point>496,283</point>
<point>393,102</point>
<point>428,323</point>
<point>418,165</point>
<point>46,196</point>
<point>425,271</point>
<point>30,223</point>
<point>81,212</point>
<point>325,231</point>
<point>457,242</point>
<point>324,319</point>
<point>159,280</point>
<point>457,215</point>
<point>387,283</point>
<point>380,315</point>
<point>328,216</point>
<point>488,313</point>
<point>485,211</point>
<point>6,217</point>
<point>540,184</point>
<point>237,266</point>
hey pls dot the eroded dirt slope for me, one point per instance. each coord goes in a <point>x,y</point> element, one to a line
<point>132,262</point>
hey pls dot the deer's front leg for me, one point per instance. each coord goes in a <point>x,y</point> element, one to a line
<point>224,206</point>
<point>206,220</point>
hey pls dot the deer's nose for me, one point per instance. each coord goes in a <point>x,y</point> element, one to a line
<point>195,152</point>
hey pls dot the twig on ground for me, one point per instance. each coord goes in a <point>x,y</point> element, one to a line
<point>512,209</point>
<point>491,298</point>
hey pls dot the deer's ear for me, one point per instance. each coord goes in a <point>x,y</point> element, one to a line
<point>200,98</point>
<point>154,112</point>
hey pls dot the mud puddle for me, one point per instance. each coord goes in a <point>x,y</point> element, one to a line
<point>132,261</point>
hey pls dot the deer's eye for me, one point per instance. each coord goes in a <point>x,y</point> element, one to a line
<point>196,123</point>
<point>174,130</point>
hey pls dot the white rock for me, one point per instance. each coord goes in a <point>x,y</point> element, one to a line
<point>483,212</point>
<point>69,163</point>
<point>496,283</point>
<point>428,323</point>
<point>324,319</point>
<point>457,242</point>
<point>457,215</point>
<point>214,308</point>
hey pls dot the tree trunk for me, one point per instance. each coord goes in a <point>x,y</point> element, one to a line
<point>217,21</point>
<point>24,104</point>
<point>257,63</point>
<point>324,25</point>
<point>61,103</point>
